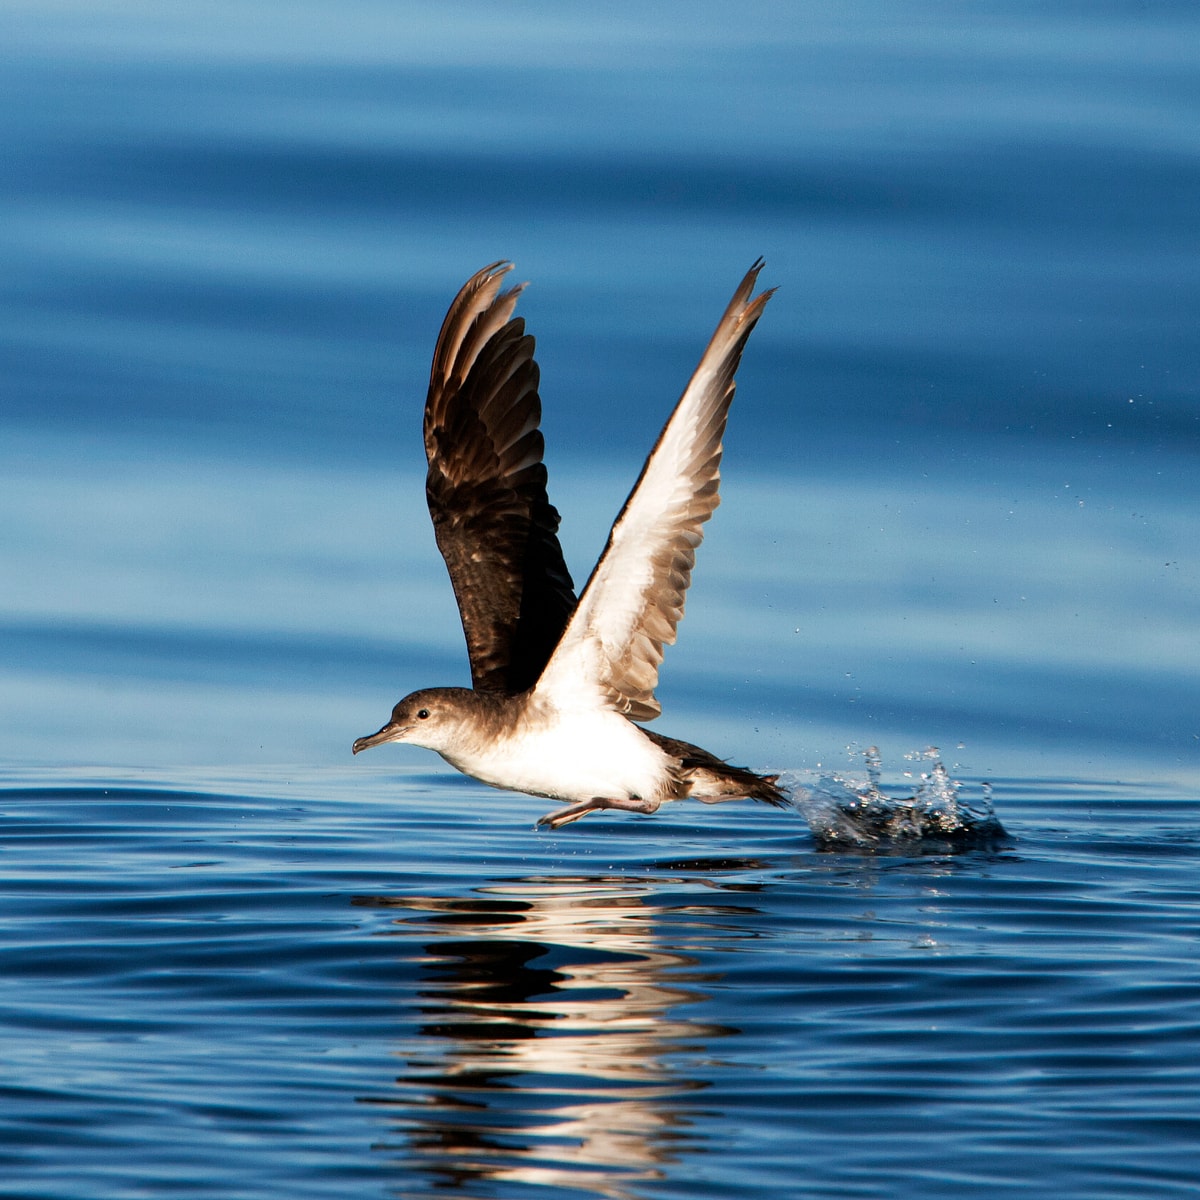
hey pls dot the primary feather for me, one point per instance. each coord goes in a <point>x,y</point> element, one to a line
<point>486,488</point>
<point>635,598</point>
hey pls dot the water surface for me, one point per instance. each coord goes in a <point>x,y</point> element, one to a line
<point>389,984</point>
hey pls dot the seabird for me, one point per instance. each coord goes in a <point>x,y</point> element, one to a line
<point>558,684</point>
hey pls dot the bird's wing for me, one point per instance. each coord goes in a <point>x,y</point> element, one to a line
<point>486,487</point>
<point>611,649</point>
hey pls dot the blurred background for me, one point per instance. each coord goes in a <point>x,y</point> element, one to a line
<point>961,479</point>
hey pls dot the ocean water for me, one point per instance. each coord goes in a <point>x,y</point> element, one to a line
<point>959,511</point>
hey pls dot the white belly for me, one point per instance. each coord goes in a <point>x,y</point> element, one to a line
<point>574,756</point>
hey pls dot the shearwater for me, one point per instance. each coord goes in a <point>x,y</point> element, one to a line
<point>559,683</point>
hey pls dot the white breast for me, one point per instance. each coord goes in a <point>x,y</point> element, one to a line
<point>571,756</point>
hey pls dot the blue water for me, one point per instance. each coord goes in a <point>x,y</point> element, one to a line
<point>959,511</point>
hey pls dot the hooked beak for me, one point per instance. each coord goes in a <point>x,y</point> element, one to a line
<point>391,732</point>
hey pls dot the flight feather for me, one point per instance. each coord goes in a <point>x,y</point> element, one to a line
<point>486,487</point>
<point>634,600</point>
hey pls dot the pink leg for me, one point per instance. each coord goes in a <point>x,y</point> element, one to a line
<point>564,816</point>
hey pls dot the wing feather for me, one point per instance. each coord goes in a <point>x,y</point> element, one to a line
<point>611,650</point>
<point>486,487</point>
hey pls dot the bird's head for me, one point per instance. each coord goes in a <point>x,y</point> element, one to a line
<point>433,718</point>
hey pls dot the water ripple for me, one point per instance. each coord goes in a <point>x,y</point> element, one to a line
<point>348,980</point>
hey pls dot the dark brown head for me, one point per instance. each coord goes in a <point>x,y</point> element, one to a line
<point>433,718</point>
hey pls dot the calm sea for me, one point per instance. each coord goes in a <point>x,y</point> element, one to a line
<point>960,511</point>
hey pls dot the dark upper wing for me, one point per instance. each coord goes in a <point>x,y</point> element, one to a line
<point>486,487</point>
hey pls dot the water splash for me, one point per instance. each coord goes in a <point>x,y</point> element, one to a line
<point>852,814</point>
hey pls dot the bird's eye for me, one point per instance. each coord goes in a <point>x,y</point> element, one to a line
<point>422,714</point>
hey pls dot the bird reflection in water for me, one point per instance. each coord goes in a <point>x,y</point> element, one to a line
<point>552,1051</point>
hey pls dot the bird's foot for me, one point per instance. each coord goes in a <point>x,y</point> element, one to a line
<point>572,812</point>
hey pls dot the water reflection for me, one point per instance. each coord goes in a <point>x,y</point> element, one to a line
<point>553,1050</point>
